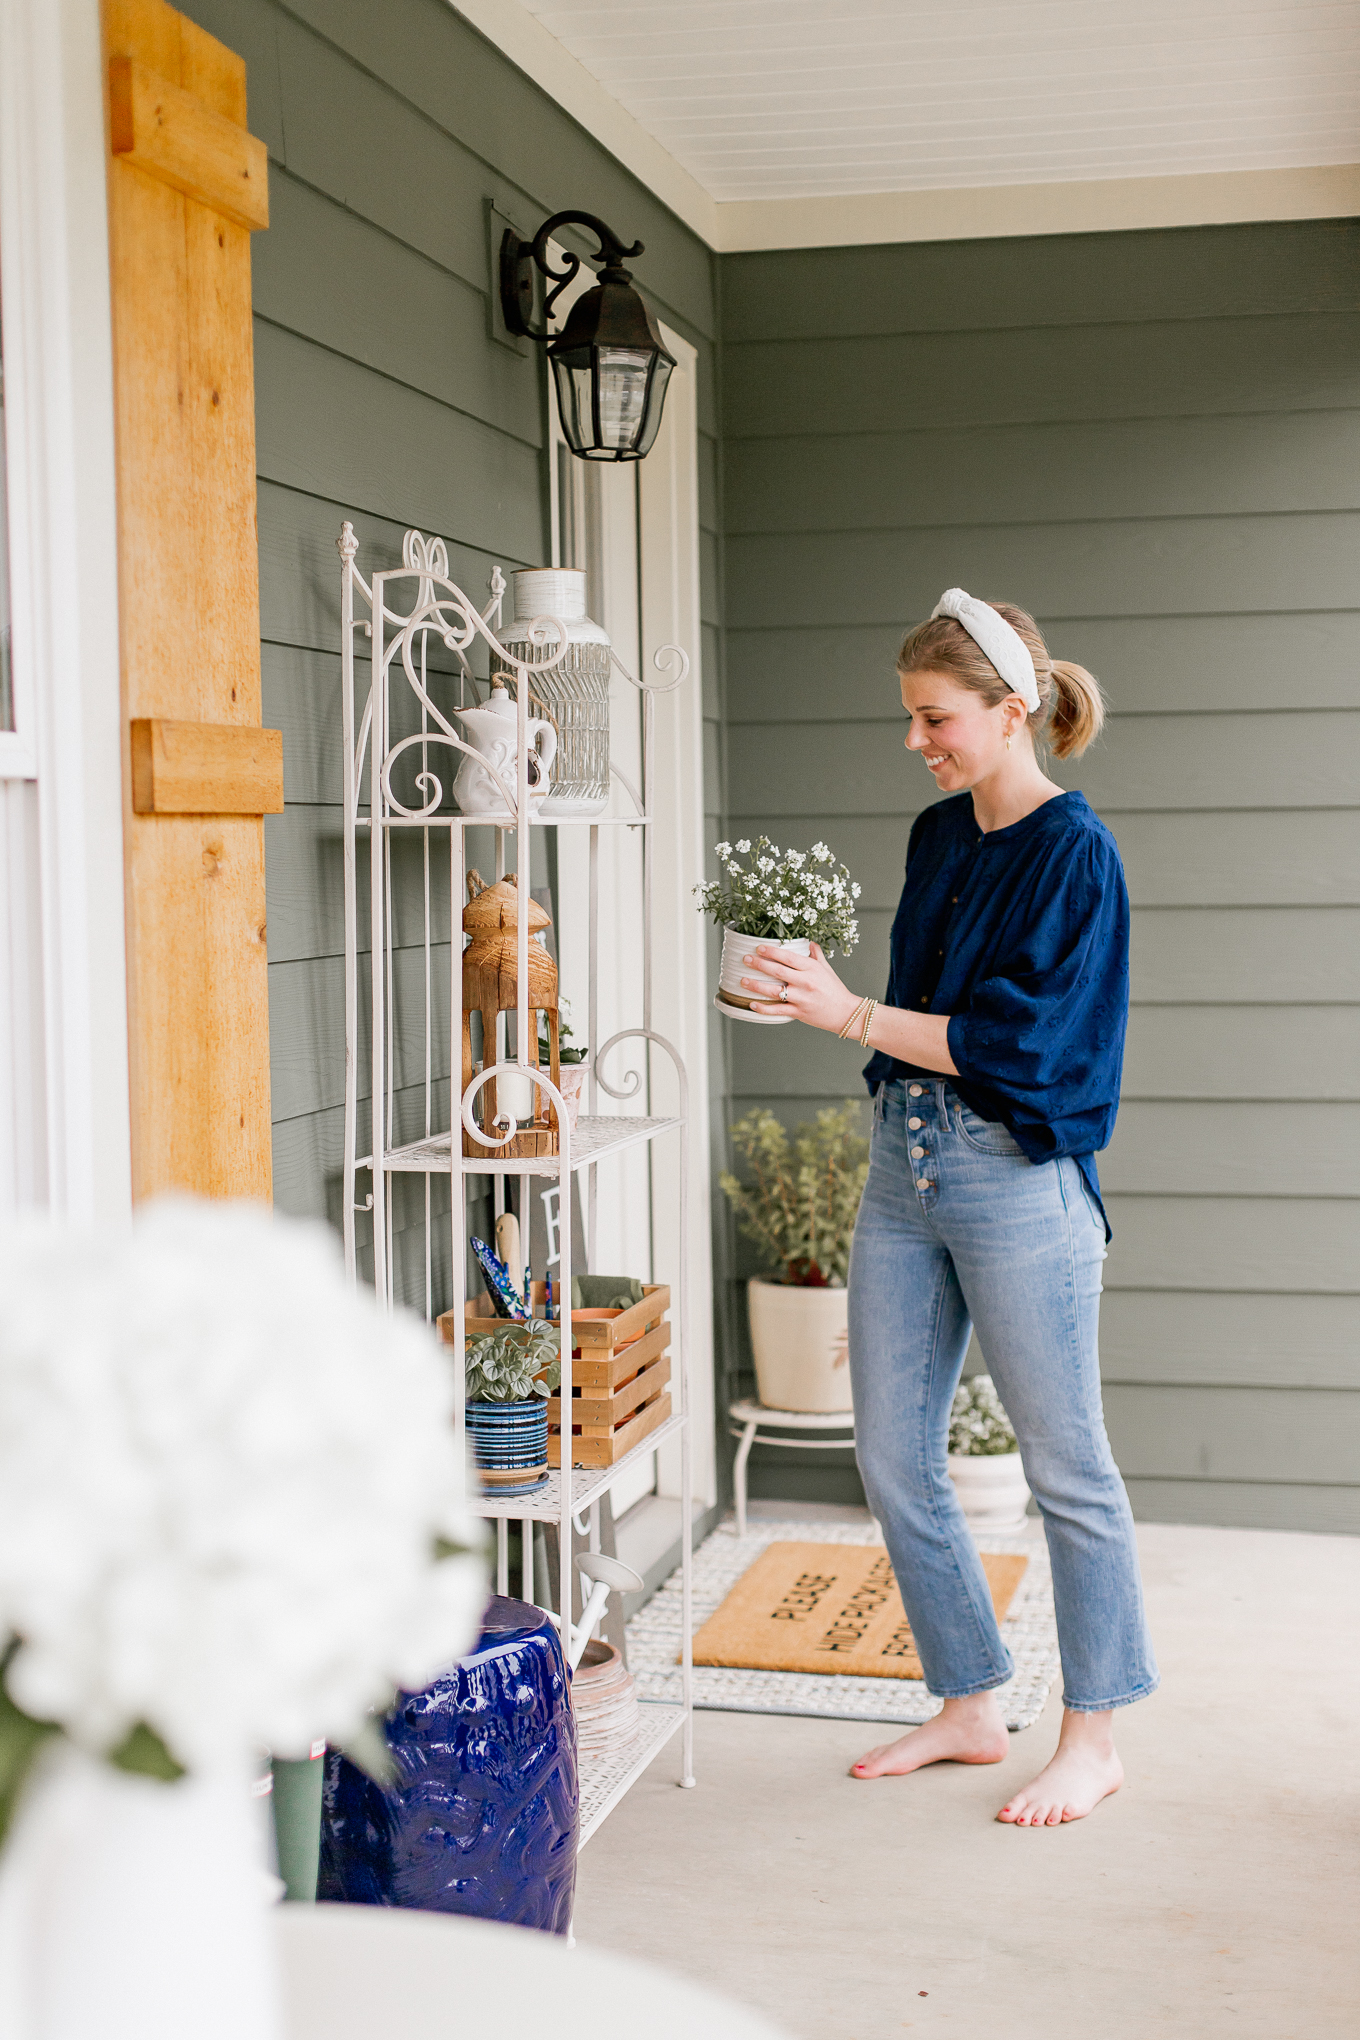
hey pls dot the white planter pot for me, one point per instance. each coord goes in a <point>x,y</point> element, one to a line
<point>992,1489</point>
<point>733,969</point>
<point>573,1087</point>
<point>134,1910</point>
<point>801,1345</point>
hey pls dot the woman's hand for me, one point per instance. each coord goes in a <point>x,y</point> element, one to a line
<point>815,994</point>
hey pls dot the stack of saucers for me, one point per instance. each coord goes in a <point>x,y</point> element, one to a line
<point>604,1699</point>
<point>510,1440</point>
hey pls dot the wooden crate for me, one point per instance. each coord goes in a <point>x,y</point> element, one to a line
<point>605,1445</point>
<point>594,1339</point>
<point>619,1374</point>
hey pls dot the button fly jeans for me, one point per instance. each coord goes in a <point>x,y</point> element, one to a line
<point>957,1225</point>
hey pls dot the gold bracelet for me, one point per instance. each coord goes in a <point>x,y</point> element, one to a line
<point>853,1022</point>
<point>868,1023</point>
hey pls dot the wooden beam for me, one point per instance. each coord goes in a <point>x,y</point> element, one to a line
<point>173,136</point>
<point>191,768</point>
<point>198,1011</point>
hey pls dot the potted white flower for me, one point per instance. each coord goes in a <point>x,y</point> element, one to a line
<point>984,1460</point>
<point>789,897</point>
<point>800,1210</point>
<point>232,1519</point>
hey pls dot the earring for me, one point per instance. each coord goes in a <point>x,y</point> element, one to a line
<point>1008,743</point>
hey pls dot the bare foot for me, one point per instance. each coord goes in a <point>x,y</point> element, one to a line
<point>1084,1770</point>
<point>969,1731</point>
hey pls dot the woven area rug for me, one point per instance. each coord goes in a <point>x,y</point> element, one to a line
<point>720,1562</point>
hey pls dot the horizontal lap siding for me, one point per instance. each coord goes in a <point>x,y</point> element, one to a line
<point>382,397</point>
<point>1153,441</point>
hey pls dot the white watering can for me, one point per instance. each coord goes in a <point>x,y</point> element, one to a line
<point>493,730</point>
<point>600,1575</point>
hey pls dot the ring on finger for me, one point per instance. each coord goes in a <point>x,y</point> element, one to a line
<point>783,992</point>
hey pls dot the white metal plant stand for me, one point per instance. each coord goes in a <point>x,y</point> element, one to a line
<point>395,733</point>
<point>755,1417</point>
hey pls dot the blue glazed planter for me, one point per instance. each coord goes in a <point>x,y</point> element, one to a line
<point>509,1435</point>
<point>486,1818</point>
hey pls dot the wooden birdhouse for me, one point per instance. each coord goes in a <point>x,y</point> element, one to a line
<point>491,987</point>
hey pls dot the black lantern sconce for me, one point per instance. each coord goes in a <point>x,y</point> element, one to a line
<point>609,362</point>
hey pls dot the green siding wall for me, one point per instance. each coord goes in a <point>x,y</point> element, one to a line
<point>1153,442</point>
<point>382,396</point>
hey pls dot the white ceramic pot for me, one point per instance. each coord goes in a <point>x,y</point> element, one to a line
<point>992,1489</point>
<point>801,1344</point>
<point>134,1910</point>
<point>733,969</point>
<point>572,1086</point>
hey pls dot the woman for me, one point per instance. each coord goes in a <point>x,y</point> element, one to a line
<point>995,1077</point>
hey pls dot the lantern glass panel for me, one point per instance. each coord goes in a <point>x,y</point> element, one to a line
<point>573,378</point>
<point>656,397</point>
<point>627,384</point>
<point>623,373</point>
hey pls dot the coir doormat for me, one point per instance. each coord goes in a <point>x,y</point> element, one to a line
<point>829,1608</point>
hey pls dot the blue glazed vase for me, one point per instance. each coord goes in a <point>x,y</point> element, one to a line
<point>486,1817</point>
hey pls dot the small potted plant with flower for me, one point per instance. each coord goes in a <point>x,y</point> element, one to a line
<point>984,1460</point>
<point>799,1207</point>
<point>573,1060</point>
<point>511,1372</point>
<point>792,898</point>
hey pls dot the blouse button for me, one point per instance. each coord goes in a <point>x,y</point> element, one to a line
<point>914,1123</point>
<point>925,1002</point>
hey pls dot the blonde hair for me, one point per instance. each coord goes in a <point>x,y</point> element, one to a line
<point>1071,707</point>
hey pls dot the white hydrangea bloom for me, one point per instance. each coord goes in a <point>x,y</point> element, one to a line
<point>222,1472</point>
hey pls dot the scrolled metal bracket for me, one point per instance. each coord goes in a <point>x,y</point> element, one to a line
<point>520,258</point>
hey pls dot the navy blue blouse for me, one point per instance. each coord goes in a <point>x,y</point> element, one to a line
<point>1022,937</point>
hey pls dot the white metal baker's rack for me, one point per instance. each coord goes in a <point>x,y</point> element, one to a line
<point>435,607</point>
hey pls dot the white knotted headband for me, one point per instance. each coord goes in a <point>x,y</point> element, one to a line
<point>992,634</point>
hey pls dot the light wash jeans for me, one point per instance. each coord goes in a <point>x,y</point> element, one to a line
<point>956,1225</point>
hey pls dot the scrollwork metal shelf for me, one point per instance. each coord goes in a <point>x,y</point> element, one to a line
<point>399,741</point>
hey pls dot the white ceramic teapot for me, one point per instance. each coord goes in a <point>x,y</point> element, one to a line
<point>492,730</point>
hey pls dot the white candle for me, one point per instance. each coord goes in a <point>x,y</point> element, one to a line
<point>515,1093</point>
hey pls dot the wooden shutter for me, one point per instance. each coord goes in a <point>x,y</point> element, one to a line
<point>187,186</point>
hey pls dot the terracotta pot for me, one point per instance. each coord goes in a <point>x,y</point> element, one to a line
<point>801,1345</point>
<point>992,1489</point>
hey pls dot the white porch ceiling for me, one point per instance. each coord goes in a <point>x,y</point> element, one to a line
<point>805,99</point>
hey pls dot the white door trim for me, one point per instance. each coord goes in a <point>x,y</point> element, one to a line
<point>63,536</point>
<point>668,527</point>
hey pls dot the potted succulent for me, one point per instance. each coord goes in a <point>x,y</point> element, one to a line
<point>790,897</point>
<point>510,1374</point>
<point>984,1460</point>
<point>800,1210</point>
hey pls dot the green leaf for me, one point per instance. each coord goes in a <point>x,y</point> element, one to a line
<point>144,1754</point>
<point>367,1747</point>
<point>21,1737</point>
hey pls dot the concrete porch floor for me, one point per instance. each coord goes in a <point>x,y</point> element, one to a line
<point>1215,1894</point>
